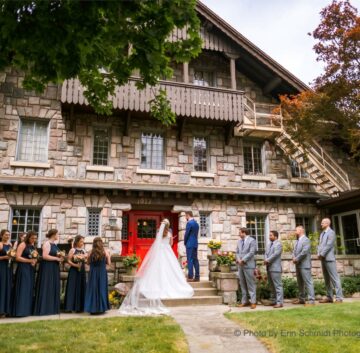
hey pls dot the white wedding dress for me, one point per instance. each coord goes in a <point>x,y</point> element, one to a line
<point>159,277</point>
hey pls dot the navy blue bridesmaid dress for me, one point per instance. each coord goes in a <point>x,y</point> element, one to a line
<point>47,298</point>
<point>22,304</point>
<point>5,282</point>
<point>96,298</point>
<point>75,287</point>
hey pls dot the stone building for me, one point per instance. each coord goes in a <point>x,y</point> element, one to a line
<point>228,158</point>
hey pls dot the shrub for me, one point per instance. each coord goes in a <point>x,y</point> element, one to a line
<point>350,285</point>
<point>319,287</point>
<point>290,287</point>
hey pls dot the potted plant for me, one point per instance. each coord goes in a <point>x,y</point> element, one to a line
<point>214,246</point>
<point>131,263</point>
<point>225,260</point>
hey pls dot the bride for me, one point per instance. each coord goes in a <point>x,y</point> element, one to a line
<point>159,277</point>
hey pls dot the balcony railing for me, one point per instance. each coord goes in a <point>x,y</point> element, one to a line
<point>186,99</point>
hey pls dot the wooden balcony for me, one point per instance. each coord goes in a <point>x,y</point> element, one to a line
<point>186,100</point>
<point>260,120</point>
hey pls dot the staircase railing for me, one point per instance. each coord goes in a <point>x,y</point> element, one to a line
<point>321,158</point>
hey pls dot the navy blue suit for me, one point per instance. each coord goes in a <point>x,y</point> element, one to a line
<point>191,244</point>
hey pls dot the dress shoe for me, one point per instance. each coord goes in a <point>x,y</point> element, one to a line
<point>277,306</point>
<point>196,279</point>
<point>327,300</point>
<point>190,280</point>
<point>309,304</point>
<point>338,301</point>
<point>243,305</point>
<point>253,306</point>
<point>297,301</point>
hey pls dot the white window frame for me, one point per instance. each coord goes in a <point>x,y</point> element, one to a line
<point>163,152</point>
<point>207,154</point>
<point>18,142</point>
<point>39,238</point>
<point>340,231</point>
<point>208,216</point>
<point>266,229</point>
<point>302,173</point>
<point>253,144</point>
<point>104,128</point>
<point>87,221</point>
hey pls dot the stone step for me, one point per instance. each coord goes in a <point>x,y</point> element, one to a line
<point>201,292</point>
<point>202,284</point>
<point>204,300</point>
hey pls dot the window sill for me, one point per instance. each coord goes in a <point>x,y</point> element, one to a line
<point>99,168</point>
<point>153,171</point>
<point>302,181</point>
<point>202,175</point>
<point>29,164</point>
<point>256,177</point>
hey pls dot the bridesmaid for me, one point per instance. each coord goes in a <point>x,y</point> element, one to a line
<point>76,282</point>
<point>47,298</point>
<point>96,298</point>
<point>5,273</point>
<point>26,257</point>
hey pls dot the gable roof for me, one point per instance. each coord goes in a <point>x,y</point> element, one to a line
<point>255,56</point>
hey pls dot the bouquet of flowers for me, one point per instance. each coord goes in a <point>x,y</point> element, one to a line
<point>12,255</point>
<point>34,254</point>
<point>60,253</point>
<point>79,259</point>
<point>225,258</point>
<point>185,265</point>
<point>214,244</point>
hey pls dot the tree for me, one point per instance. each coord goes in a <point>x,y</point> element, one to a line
<point>100,42</point>
<point>332,109</point>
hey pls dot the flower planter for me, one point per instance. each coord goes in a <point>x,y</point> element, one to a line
<point>131,271</point>
<point>214,251</point>
<point>224,268</point>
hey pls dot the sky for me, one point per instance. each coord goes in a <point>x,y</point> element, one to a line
<point>279,28</point>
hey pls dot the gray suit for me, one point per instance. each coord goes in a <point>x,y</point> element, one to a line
<point>273,256</point>
<point>246,252</point>
<point>326,249</point>
<point>302,254</point>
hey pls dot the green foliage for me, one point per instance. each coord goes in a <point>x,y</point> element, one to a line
<point>290,287</point>
<point>160,109</point>
<point>350,285</point>
<point>56,40</point>
<point>319,287</point>
<point>214,244</point>
<point>131,261</point>
<point>225,258</point>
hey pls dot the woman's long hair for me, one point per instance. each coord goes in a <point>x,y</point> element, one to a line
<point>97,252</point>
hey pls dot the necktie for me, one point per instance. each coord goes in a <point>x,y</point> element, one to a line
<point>296,245</point>
<point>242,244</point>
<point>321,237</point>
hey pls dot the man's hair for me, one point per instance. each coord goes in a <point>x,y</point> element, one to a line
<point>275,233</point>
<point>189,213</point>
<point>244,230</point>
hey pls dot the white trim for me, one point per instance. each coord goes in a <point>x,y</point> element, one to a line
<point>99,168</point>
<point>152,171</point>
<point>104,127</point>
<point>202,175</point>
<point>256,177</point>
<point>29,164</point>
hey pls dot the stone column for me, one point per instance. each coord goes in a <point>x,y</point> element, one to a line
<point>232,58</point>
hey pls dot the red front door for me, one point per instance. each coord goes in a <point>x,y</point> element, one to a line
<point>143,226</point>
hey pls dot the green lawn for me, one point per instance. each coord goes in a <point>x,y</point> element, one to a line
<point>297,329</point>
<point>120,334</point>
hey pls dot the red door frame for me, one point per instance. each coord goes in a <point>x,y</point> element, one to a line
<point>141,246</point>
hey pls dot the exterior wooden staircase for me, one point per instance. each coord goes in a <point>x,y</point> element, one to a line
<point>205,294</point>
<point>266,121</point>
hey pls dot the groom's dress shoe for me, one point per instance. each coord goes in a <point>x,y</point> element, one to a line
<point>196,280</point>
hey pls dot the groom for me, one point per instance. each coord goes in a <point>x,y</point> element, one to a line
<point>191,244</point>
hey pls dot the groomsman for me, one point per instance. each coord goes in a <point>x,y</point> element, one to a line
<point>326,254</point>
<point>245,258</point>
<point>273,266</point>
<point>302,261</point>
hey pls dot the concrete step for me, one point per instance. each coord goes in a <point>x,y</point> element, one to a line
<point>202,284</point>
<point>204,300</point>
<point>201,292</point>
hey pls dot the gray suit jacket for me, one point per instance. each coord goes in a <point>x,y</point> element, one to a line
<point>302,252</point>
<point>273,256</point>
<point>326,246</point>
<point>247,254</point>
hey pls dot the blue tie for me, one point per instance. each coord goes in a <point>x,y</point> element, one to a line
<point>242,244</point>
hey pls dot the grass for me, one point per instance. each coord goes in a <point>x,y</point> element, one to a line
<point>311,329</point>
<point>120,334</point>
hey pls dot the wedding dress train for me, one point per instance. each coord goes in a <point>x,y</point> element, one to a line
<point>159,277</point>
